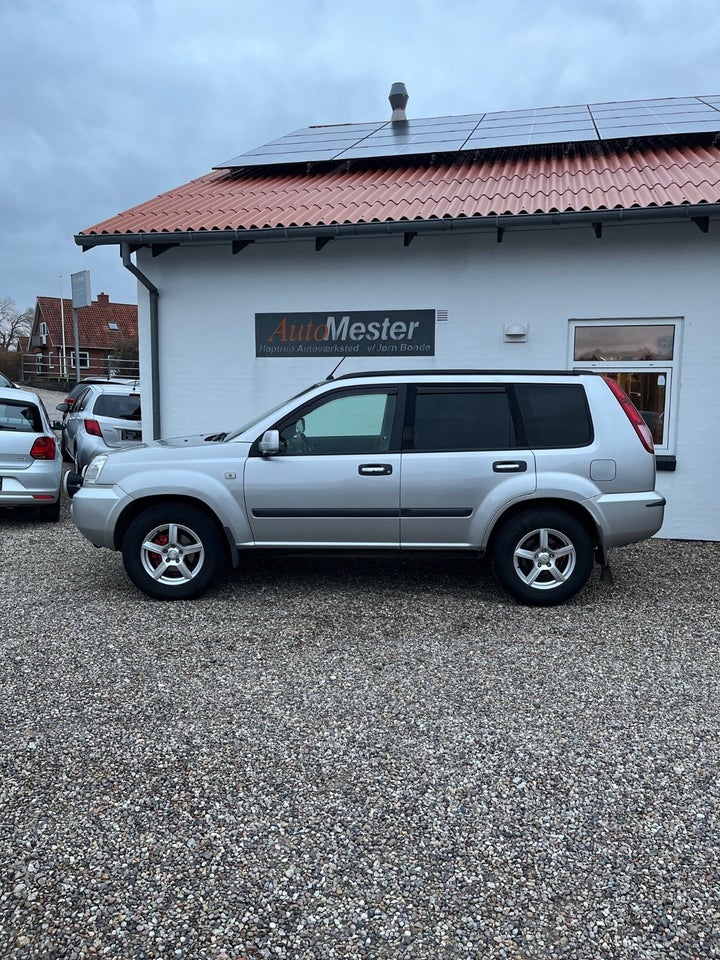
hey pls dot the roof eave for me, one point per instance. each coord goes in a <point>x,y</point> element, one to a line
<point>525,221</point>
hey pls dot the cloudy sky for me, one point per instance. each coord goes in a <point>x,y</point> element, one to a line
<point>107,103</point>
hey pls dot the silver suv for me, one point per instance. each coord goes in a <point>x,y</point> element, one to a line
<point>541,472</point>
<point>101,416</point>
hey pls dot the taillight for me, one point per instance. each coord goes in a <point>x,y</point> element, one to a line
<point>69,401</point>
<point>43,449</point>
<point>93,428</point>
<point>633,414</point>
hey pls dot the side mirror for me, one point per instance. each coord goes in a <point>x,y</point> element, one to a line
<point>269,443</point>
<point>63,407</point>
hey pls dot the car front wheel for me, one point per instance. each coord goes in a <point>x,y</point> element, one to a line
<point>542,557</point>
<point>173,552</point>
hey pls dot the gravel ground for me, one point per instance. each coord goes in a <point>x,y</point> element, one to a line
<point>356,759</point>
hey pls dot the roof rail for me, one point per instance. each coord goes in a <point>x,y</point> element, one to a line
<point>460,373</point>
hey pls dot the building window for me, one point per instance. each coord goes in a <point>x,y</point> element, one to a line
<point>643,357</point>
<point>84,358</point>
<point>112,325</point>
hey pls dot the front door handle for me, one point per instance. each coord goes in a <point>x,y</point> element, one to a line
<point>509,466</point>
<point>375,469</point>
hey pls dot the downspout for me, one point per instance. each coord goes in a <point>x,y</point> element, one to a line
<point>154,351</point>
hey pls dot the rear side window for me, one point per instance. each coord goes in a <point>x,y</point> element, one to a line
<point>462,419</point>
<point>118,407</point>
<point>554,414</point>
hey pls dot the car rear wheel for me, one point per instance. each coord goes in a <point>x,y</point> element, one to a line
<point>542,557</point>
<point>173,552</point>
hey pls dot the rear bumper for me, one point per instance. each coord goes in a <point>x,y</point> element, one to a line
<point>20,488</point>
<point>627,517</point>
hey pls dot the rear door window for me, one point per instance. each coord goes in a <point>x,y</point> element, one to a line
<point>82,399</point>
<point>461,418</point>
<point>554,414</point>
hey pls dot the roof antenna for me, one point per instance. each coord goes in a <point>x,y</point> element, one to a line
<point>332,375</point>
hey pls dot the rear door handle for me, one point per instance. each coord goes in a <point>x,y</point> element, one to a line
<point>509,466</point>
<point>375,469</point>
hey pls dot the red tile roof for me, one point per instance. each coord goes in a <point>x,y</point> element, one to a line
<point>518,181</point>
<point>92,322</point>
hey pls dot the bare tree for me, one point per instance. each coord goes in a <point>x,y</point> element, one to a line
<point>13,323</point>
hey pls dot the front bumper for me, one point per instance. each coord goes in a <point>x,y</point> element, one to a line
<point>95,511</point>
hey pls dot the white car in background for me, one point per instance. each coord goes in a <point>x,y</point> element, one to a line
<point>30,458</point>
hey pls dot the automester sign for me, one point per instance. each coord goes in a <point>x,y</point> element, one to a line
<point>360,333</point>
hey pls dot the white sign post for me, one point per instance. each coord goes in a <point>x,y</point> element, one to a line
<point>81,297</point>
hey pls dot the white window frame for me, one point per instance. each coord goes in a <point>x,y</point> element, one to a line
<point>84,359</point>
<point>670,368</point>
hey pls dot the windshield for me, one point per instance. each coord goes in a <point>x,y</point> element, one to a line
<point>267,413</point>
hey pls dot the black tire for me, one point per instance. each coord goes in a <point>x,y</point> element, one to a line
<point>50,513</point>
<point>173,551</point>
<point>542,557</point>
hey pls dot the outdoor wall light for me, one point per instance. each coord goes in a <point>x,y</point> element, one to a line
<point>515,332</point>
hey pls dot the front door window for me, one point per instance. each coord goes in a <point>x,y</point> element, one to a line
<point>351,423</point>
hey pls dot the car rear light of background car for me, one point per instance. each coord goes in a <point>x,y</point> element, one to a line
<point>93,428</point>
<point>43,449</point>
<point>633,414</point>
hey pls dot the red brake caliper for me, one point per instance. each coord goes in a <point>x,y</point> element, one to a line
<point>161,540</point>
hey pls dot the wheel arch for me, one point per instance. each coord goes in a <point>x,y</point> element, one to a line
<point>571,507</point>
<point>136,507</point>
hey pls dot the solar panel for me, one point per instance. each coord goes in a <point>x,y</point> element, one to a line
<point>576,123</point>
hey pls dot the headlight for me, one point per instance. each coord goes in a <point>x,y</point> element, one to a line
<point>94,469</point>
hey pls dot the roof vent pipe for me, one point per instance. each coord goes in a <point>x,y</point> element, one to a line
<point>398,101</point>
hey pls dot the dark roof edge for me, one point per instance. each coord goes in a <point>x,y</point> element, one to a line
<point>378,229</point>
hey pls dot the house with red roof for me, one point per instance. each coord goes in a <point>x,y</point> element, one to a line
<point>581,236</point>
<point>103,327</point>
